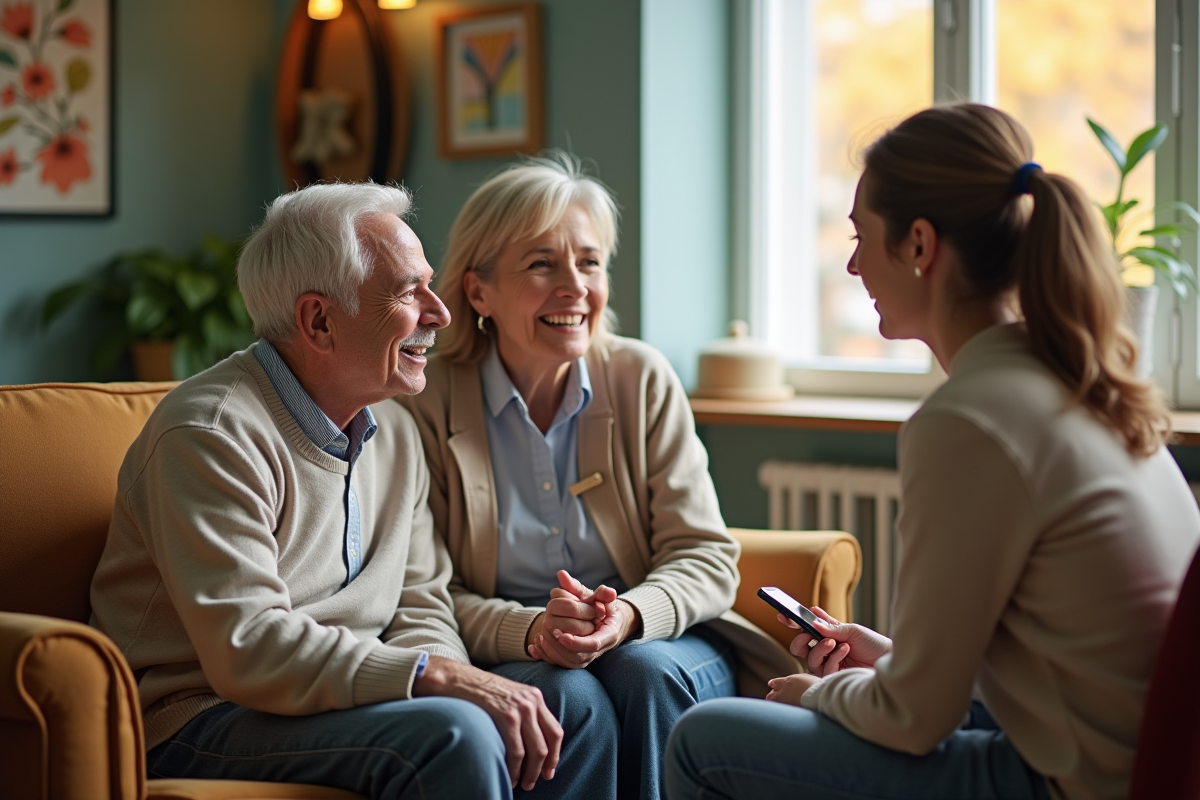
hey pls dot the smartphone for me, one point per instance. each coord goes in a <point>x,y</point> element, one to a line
<point>793,609</point>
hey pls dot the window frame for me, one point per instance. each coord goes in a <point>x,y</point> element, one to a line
<point>964,69</point>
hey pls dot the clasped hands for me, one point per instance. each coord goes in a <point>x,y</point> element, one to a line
<point>844,645</point>
<point>579,625</point>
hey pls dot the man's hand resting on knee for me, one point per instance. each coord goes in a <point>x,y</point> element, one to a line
<point>532,736</point>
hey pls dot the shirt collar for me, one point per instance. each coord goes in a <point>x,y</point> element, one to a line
<point>308,415</point>
<point>499,391</point>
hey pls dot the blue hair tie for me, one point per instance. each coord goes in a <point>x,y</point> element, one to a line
<point>1021,180</point>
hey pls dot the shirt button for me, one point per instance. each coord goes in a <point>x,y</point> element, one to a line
<point>554,531</point>
<point>546,486</point>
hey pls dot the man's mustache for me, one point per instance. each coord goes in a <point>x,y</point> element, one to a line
<point>423,336</point>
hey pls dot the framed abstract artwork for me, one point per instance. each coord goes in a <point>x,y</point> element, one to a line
<point>489,81</point>
<point>56,86</point>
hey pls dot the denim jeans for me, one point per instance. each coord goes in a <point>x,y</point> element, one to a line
<point>641,689</point>
<point>760,750</point>
<point>432,747</point>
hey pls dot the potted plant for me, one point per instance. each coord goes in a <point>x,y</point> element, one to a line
<point>178,316</point>
<point>1141,262</point>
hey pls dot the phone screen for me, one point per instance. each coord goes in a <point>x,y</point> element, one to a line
<point>791,603</point>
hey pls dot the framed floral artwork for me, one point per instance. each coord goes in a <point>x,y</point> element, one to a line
<point>56,107</point>
<point>489,81</point>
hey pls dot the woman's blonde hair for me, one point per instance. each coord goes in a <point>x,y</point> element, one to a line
<point>956,166</point>
<point>522,201</point>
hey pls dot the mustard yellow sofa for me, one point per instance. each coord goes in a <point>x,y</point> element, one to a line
<point>70,725</point>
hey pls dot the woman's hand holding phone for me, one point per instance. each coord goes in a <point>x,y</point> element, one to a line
<point>842,646</point>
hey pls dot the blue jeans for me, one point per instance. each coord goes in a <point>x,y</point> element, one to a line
<point>429,747</point>
<point>760,750</point>
<point>643,689</point>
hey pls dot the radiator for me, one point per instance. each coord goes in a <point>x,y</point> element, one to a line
<point>863,501</point>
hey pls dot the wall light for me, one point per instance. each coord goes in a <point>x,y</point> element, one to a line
<point>324,9</point>
<point>391,5</point>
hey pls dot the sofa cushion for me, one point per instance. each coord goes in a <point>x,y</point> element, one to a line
<point>61,446</point>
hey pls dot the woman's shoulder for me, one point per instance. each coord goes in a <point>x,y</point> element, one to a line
<point>1004,390</point>
<point>998,374</point>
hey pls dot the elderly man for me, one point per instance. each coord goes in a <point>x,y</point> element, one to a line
<point>272,573</point>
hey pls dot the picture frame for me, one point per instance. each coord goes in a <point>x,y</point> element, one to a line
<point>56,108</point>
<point>489,81</point>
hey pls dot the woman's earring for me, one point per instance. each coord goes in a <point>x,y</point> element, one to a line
<point>917,270</point>
<point>479,323</point>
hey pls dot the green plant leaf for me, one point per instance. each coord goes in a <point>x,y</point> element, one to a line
<point>8,123</point>
<point>237,309</point>
<point>221,335</point>
<point>79,75</point>
<point>1181,207</point>
<point>145,312</point>
<point>1174,231</point>
<point>108,350</point>
<point>7,60</point>
<point>62,298</point>
<point>153,265</point>
<point>1152,252</point>
<point>189,357</point>
<point>196,288</point>
<point>1179,272</point>
<point>63,5</point>
<point>1112,218</point>
<point>1146,142</point>
<point>1110,143</point>
<point>218,250</point>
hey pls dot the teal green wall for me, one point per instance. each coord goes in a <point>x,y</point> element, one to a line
<point>685,177</point>
<point>194,83</point>
<point>734,453</point>
<point>591,71</point>
<point>195,150</point>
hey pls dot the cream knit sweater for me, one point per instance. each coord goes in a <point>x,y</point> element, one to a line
<point>1038,563</point>
<point>222,575</point>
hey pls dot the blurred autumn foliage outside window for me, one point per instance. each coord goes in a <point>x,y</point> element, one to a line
<point>1057,62</point>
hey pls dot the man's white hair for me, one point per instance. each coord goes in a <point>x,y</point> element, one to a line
<point>309,242</point>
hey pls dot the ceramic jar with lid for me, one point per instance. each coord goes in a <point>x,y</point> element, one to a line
<point>740,368</point>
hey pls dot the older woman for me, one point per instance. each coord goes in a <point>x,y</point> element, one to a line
<point>567,478</point>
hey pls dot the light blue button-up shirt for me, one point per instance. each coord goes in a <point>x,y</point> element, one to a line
<point>542,527</point>
<point>325,435</point>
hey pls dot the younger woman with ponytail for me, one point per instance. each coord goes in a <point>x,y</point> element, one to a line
<point>1044,529</point>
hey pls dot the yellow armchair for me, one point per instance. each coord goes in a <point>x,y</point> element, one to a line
<point>70,723</point>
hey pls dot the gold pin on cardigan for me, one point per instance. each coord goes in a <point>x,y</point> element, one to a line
<point>590,482</point>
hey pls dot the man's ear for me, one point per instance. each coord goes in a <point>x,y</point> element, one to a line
<point>314,323</point>
<point>922,244</point>
<point>473,289</point>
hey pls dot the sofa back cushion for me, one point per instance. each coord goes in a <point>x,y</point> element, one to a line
<point>61,445</point>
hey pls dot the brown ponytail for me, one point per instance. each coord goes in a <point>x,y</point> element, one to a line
<point>955,166</point>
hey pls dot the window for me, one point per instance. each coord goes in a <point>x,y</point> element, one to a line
<point>823,78</point>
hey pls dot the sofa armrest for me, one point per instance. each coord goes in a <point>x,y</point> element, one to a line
<point>70,726</point>
<point>818,568</point>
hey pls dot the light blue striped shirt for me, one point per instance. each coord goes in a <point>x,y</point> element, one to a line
<point>542,527</point>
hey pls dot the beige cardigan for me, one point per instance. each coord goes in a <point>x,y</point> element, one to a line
<point>655,508</point>
<point>1037,564</point>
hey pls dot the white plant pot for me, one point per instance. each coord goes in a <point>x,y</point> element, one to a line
<point>1140,303</point>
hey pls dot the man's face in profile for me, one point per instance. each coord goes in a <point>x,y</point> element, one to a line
<point>382,347</point>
